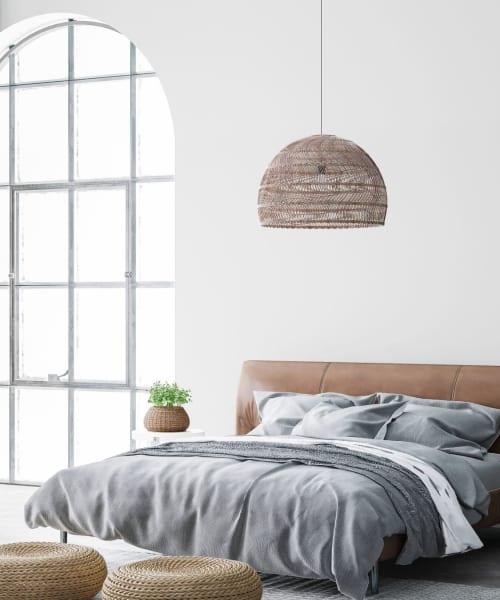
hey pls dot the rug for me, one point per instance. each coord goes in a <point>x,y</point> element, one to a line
<point>290,588</point>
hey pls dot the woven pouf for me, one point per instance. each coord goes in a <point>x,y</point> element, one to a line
<point>50,571</point>
<point>183,578</point>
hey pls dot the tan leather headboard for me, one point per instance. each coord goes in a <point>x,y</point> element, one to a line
<point>445,382</point>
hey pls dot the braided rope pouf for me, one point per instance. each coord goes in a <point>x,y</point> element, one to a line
<point>183,578</point>
<point>50,571</point>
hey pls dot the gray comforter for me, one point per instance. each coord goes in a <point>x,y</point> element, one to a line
<point>308,512</point>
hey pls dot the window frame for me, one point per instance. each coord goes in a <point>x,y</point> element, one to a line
<point>71,185</point>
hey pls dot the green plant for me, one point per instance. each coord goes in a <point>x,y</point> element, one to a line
<point>168,394</point>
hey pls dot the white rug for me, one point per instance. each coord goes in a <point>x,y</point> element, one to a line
<point>289,588</point>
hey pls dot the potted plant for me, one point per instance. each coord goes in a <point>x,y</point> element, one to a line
<point>167,412</point>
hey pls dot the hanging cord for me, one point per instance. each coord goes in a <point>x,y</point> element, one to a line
<point>321,67</point>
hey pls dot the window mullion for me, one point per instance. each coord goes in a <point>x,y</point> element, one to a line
<point>71,242</point>
<point>131,247</point>
<point>91,183</point>
<point>12,261</point>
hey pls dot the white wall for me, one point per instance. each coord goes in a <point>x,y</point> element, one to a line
<point>416,83</point>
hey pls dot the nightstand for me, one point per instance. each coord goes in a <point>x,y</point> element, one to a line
<point>153,438</point>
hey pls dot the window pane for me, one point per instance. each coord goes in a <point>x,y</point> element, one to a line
<point>100,227</point>
<point>4,433</point>
<point>42,115</point>
<point>43,332</point>
<point>4,72</point>
<point>42,433</point>
<point>142,64</point>
<point>100,334</point>
<point>4,235</point>
<point>155,232</point>
<point>155,132</point>
<point>155,335</point>
<point>44,58</point>
<point>100,51</point>
<point>4,334</point>
<point>43,217</point>
<point>102,124</point>
<point>102,425</point>
<point>4,136</point>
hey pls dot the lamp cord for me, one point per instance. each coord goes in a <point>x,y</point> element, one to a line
<point>321,68</point>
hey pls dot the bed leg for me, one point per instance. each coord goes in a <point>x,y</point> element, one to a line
<point>373,581</point>
<point>63,537</point>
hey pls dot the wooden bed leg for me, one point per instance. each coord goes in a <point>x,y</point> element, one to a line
<point>63,537</point>
<point>373,581</point>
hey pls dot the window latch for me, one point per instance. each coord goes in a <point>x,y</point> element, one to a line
<point>56,377</point>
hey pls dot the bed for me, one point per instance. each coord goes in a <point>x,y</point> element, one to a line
<point>469,383</point>
<point>220,497</point>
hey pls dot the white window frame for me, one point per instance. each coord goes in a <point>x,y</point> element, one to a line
<point>129,184</point>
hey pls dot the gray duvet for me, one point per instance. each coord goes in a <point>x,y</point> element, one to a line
<point>282,514</point>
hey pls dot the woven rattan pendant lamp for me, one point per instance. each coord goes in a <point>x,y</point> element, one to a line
<point>322,182</point>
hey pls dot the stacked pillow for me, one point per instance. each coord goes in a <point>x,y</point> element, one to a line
<point>327,421</point>
<point>462,428</point>
<point>280,412</point>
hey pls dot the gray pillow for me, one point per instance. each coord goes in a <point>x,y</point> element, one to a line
<point>281,411</point>
<point>420,427</point>
<point>327,421</point>
<point>464,421</point>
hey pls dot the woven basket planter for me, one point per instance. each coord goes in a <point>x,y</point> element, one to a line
<point>183,578</point>
<point>322,181</point>
<point>166,418</point>
<point>50,571</point>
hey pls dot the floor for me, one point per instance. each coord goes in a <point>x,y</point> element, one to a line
<point>481,567</point>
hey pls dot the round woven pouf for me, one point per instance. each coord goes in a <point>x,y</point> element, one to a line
<point>50,571</point>
<point>183,578</point>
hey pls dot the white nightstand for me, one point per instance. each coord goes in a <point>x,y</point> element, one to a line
<point>153,438</point>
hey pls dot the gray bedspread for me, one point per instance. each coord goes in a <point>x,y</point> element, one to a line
<point>316,512</point>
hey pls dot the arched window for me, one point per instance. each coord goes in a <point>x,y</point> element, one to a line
<point>86,246</point>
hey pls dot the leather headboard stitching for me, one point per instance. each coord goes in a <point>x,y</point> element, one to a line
<point>325,371</point>
<point>479,384</point>
<point>455,383</point>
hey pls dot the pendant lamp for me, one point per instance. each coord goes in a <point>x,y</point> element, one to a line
<point>321,182</point>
